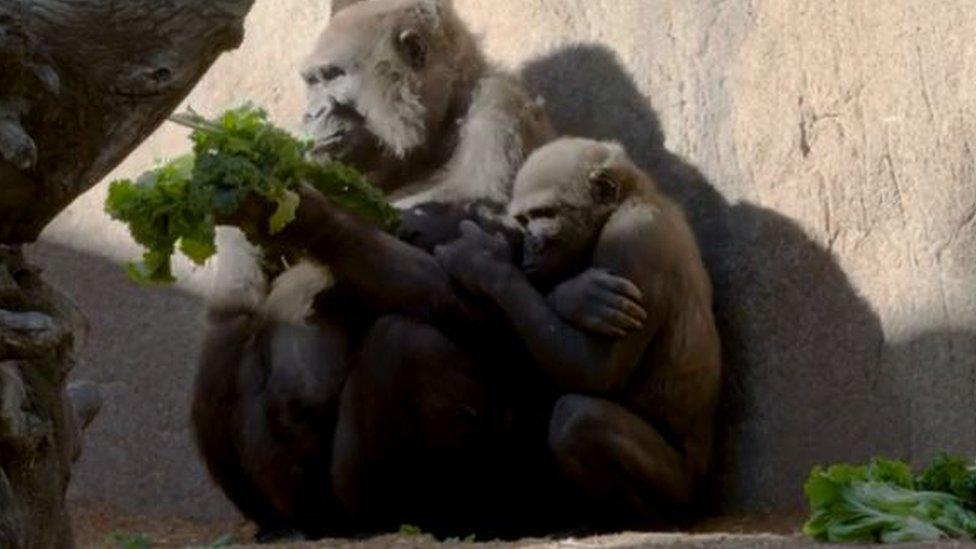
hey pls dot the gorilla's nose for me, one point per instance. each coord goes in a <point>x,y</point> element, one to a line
<point>312,116</point>
<point>334,112</point>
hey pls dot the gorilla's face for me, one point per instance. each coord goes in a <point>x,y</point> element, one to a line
<point>335,122</point>
<point>379,80</point>
<point>562,198</point>
<point>556,242</point>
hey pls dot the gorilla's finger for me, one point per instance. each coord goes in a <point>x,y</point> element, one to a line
<point>619,285</point>
<point>624,304</point>
<point>599,326</point>
<point>619,320</point>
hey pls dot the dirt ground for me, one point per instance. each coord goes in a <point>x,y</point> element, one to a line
<point>104,526</point>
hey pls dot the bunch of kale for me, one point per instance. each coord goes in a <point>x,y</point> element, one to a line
<point>884,502</point>
<point>239,154</point>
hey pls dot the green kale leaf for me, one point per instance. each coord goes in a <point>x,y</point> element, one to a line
<point>241,153</point>
<point>953,475</point>
<point>882,502</point>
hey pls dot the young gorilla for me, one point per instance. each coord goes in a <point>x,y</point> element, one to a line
<point>399,90</point>
<point>634,429</point>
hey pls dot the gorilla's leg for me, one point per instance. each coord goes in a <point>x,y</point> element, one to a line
<point>265,401</point>
<point>410,430</point>
<point>305,368</point>
<point>624,467</point>
<point>217,416</point>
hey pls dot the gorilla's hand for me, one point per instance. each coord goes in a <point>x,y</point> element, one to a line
<point>251,216</point>
<point>599,302</point>
<point>476,259</point>
<point>254,212</point>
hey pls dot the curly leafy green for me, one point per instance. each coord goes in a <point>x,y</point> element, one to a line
<point>239,154</point>
<point>951,474</point>
<point>883,502</point>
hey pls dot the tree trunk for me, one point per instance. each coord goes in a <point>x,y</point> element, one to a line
<point>82,83</point>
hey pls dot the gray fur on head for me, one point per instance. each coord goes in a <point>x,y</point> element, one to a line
<point>565,193</point>
<point>396,72</point>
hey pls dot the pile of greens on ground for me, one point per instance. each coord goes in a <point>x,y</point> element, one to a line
<point>884,502</point>
<point>238,154</point>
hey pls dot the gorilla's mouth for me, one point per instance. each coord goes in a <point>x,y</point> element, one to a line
<point>330,146</point>
<point>355,146</point>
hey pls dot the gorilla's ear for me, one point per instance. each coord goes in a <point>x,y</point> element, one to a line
<point>413,48</point>
<point>339,5</point>
<point>604,187</point>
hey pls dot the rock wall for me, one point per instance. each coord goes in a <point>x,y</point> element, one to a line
<point>823,150</point>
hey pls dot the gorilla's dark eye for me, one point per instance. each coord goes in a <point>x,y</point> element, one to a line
<point>322,74</point>
<point>331,73</point>
<point>413,48</point>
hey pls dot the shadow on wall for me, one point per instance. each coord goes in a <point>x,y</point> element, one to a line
<point>142,351</point>
<point>802,350</point>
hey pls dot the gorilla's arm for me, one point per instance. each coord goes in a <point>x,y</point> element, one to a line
<point>580,360</point>
<point>598,301</point>
<point>387,274</point>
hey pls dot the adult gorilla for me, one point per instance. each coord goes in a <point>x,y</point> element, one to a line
<point>398,89</point>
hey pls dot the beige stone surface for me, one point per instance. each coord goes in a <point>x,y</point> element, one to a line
<point>619,541</point>
<point>823,150</point>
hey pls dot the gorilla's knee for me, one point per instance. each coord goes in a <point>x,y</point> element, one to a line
<point>305,368</point>
<point>575,420</point>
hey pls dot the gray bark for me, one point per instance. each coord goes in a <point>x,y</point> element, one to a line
<point>82,83</point>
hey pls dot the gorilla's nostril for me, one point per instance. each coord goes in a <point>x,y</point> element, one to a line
<point>346,111</point>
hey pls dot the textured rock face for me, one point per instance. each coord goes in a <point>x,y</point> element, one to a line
<point>824,153</point>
